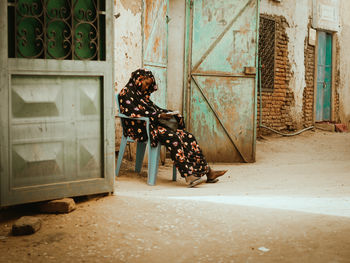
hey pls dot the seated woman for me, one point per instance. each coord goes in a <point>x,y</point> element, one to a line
<point>134,101</point>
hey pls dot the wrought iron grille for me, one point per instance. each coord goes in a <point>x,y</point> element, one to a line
<point>267,34</point>
<point>57,29</point>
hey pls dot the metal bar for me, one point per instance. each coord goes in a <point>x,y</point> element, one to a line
<point>222,75</point>
<point>186,72</point>
<point>154,64</point>
<point>212,46</point>
<point>218,118</point>
<point>98,29</point>
<point>55,73</point>
<point>260,96</point>
<point>45,40</point>
<point>189,89</point>
<point>15,23</point>
<point>143,33</point>
<point>257,77</point>
<point>167,53</point>
<point>73,29</point>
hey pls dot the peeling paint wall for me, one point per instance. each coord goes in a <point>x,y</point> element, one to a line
<point>127,45</point>
<point>176,54</point>
<point>344,63</point>
<point>128,40</point>
<point>128,51</point>
<point>297,15</point>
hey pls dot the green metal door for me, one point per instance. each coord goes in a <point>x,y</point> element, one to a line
<point>155,45</point>
<point>57,121</point>
<point>324,77</point>
<point>221,84</point>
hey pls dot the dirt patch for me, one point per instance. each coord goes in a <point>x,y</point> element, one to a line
<point>256,213</point>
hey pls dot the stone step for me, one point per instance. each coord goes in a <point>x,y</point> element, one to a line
<point>325,126</point>
<point>65,205</point>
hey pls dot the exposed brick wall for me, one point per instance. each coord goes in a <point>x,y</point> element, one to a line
<point>276,105</point>
<point>308,94</point>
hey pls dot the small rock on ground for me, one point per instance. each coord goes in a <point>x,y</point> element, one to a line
<point>26,225</point>
<point>340,127</point>
<point>65,205</point>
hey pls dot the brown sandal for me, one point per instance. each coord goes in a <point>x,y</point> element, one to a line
<point>212,181</point>
<point>213,175</point>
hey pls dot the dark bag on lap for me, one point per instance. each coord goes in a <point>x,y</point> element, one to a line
<point>171,123</point>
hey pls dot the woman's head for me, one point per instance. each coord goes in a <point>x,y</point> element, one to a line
<point>144,80</point>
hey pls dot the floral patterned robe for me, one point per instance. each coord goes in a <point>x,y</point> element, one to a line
<point>183,147</point>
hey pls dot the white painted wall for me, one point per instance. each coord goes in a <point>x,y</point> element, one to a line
<point>344,86</point>
<point>297,14</point>
<point>176,48</point>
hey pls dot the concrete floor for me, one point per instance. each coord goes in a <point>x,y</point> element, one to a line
<point>292,205</point>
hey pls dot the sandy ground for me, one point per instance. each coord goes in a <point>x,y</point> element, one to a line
<point>292,205</point>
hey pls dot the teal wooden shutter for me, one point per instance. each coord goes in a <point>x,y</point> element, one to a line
<point>155,45</point>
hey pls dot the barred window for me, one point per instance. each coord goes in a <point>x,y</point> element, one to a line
<point>267,34</point>
<point>56,29</point>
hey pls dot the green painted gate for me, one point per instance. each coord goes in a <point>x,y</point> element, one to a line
<point>221,83</point>
<point>155,45</point>
<point>56,99</point>
<point>324,77</point>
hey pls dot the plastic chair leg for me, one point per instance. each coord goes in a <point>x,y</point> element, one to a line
<point>140,154</point>
<point>120,155</point>
<point>153,162</point>
<point>174,172</point>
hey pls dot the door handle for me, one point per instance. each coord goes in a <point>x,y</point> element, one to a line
<point>324,85</point>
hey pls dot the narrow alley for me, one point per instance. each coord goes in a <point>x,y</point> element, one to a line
<point>292,205</point>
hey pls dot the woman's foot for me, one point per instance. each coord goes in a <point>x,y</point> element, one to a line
<point>213,175</point>
<point>193,181</point>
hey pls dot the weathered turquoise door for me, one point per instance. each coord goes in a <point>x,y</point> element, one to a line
<point>56,99</point>
<point>155,45</point>
<point>324,77</point>
<point>221,84</point>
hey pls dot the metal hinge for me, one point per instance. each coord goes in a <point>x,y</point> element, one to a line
<point>191,4</point>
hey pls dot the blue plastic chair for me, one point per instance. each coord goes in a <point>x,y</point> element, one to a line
<point>153,152</point>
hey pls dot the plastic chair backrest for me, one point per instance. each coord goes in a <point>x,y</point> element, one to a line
<point>123,116</point>
<point>153,158</point>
